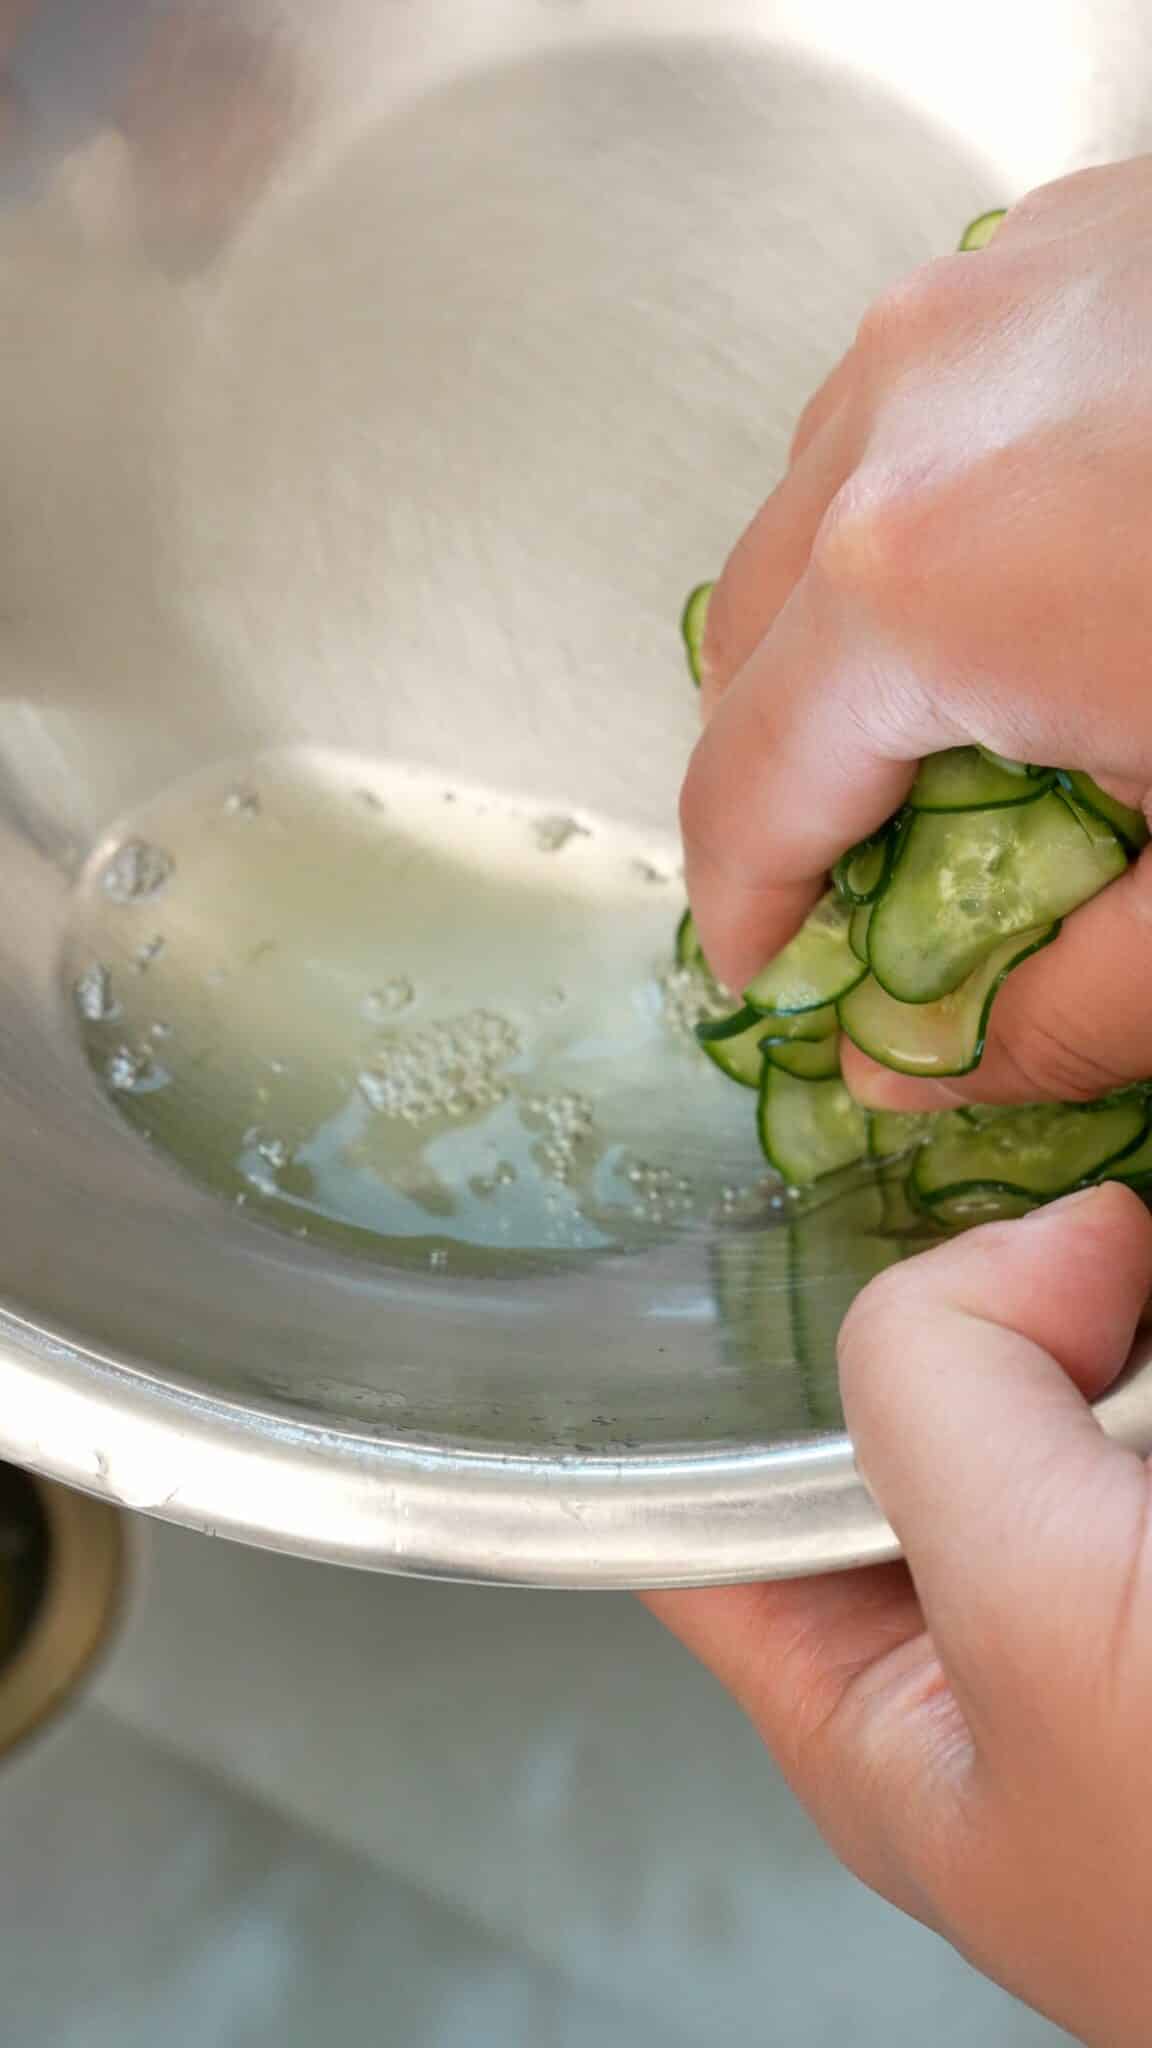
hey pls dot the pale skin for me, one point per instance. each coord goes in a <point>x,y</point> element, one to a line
<point>971,1734</point>
<point>961,551</point>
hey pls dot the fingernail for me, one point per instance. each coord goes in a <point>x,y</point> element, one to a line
<point>1058,1208</point>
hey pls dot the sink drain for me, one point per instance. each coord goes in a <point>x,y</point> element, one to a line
<point>62,1570</point>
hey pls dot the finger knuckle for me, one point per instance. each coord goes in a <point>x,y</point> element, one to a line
<point>909,311</point>
<point>1047,1058</point>
<point>870,548</point>
<point>1063,194</point>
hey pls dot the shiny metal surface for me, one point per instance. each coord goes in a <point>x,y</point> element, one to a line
<point>377,377</point>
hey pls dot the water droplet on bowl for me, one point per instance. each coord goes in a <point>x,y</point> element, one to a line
<point>135,871</point>
<point>550,834</point>
<point>242,803</point>
<point>144,955</point>
<point>134,1072</point>
<point>93,993</point>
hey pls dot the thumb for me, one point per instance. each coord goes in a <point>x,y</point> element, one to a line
<point>964,1374</point>
<point>1071,1023</point>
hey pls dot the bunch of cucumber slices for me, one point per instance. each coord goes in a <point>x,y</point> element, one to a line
<point>904,956</point>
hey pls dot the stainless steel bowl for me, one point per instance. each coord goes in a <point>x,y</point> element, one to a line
<point>376,379</point>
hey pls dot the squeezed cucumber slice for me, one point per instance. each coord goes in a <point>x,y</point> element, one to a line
<point>905,955</point>
<point>1131,825</point>
<point>1009,767</point>
<point>806,1025</point>
<point>941,1038</point>
<point>733,1044</point>
<point>892,1132</point>
<point>858,931</point>
<point>979,232</point>
<point>808,1059</point>
<point>980,1205</point>
<point>1135,1167</point>
<point>714,1030</point>
<point>1039,1152</point>
<point>693,620</point>
<point>901,1217</point>
<point>809,1128</point>
<point>966,881</point>
<point>860,874</point>
<point>689,951</point>
<point>969,779</point>
<point>814,968</point>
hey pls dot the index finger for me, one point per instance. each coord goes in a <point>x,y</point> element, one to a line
<point>812,747</point>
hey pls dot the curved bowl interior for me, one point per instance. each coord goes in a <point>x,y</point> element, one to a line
<point>373,392</point>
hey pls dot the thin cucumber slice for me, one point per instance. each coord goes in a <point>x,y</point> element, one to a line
<point>860,874</point>
<point>1039,1152</point>
<point>693,620</point>
<point>968,779</point>
<point>816,967</point>
<point>834,1249</point>
<point>979,232</point>
<point>809,1128</point>
<point>964,882</point>
<point>858,931</point>
<point>808,1060</point>
<point>980,1205</point>
<point>901,1217</point>
<point>892,1132</point>
<point>807,1025</point>
<point>1131,825</point>
<point>1135,1167</point>
<point>935,1039</point>
<point>712,1030</point>
<point>689,951</point>
<point>733,1044</point>
<point>1010,767</point>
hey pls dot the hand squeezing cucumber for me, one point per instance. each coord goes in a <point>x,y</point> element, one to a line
<point>905,955</point>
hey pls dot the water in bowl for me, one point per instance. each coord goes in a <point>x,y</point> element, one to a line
<point>364,1005</point>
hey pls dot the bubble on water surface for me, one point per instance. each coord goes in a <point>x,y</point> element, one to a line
<point>134,1071</point>
<point>385,1002</point>
<point>447,1070</point>
<point>135,871</point>
<point>93,992</point>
